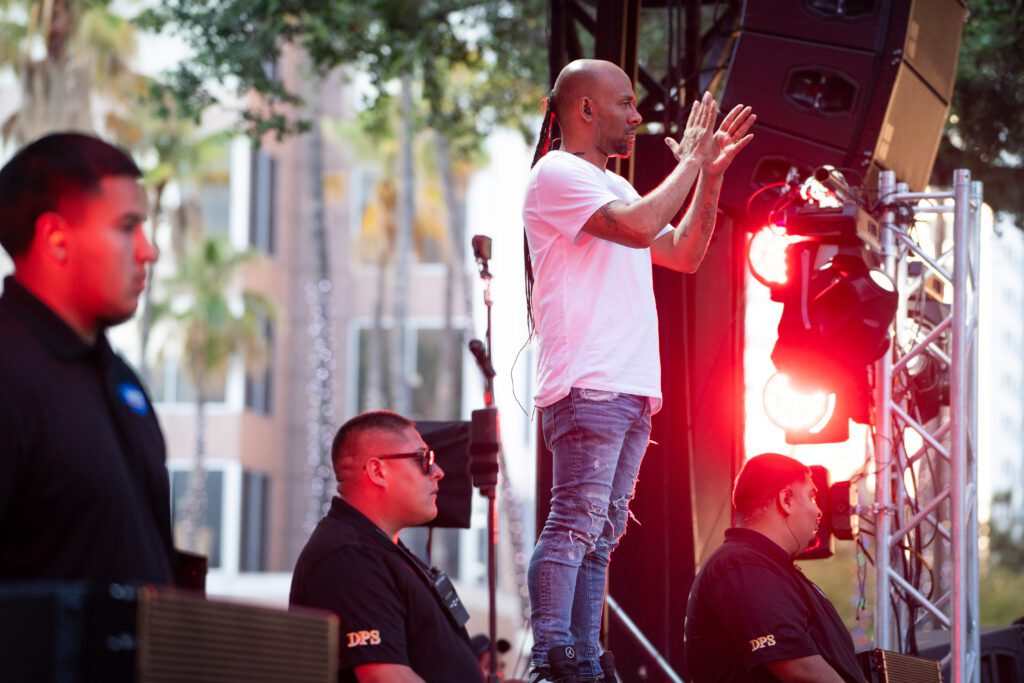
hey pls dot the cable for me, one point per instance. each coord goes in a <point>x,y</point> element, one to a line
<point>512,375</point>
<point>759,192</point>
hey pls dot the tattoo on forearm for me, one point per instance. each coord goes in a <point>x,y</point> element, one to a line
<point>707,215</point>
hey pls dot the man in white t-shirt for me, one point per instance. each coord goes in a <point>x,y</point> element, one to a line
<point>592,240</point>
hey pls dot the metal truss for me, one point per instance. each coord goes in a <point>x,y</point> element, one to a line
<point>926,501</point>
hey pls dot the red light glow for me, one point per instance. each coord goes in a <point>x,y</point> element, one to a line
<point>766,255</point>
<point>795,409</point>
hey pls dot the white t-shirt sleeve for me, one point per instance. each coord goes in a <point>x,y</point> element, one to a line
<point>569,193</point>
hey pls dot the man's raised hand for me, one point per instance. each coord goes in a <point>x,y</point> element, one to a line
<point>731,137</point>
<point>697,138</point>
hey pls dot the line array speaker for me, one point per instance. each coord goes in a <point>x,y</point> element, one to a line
<point>862,85</point>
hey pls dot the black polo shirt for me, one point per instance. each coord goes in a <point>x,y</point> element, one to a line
<point>83,482</point>
<point>751,605</point>
<point>387,605</point>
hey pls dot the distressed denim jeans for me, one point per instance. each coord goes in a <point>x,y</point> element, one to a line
<point>597,439</point>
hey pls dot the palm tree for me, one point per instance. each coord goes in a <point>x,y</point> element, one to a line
<point>213,328</point>
<point>63,53</point>
<point>182,158</point>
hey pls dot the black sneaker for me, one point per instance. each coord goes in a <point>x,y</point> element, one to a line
<point>562,667</point>
<point>607,661</point>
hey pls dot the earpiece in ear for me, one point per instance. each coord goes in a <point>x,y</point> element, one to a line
<point>586,110</point>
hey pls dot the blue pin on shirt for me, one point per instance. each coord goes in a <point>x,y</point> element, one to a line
<point>133,397</point>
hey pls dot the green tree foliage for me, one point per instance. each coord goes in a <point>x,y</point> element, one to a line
<point>1006,533</point>
<point>500,44</point>
<point>986,132</point>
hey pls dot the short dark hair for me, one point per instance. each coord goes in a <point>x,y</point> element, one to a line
<point>48,170</point>
<point>761,478</point>
<point>383,420</point>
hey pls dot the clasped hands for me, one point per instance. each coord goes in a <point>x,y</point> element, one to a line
<point>714,149</point>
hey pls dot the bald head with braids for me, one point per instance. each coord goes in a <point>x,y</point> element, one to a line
<point>581,108</point>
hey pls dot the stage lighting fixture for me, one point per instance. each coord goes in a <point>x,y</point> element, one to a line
<point>818,409</point>
<point>927,383</point>
<point>838,505</point>
<point>837,314</point>
<point>827,189</point>
<point>796,409</point>
<point>766,255</point>
<point>835,322</point>
<point>843,225</point>
<point>852,307</point>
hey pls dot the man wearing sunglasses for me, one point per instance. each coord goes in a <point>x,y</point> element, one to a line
<point>397,623</point>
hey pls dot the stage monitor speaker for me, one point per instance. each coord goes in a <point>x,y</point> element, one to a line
<point>882,666</point>
<point>870,80</point>
<point>55,632</point>
<point>450,443</point>
<point>1001,659</point>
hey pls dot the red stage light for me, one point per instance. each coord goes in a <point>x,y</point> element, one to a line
<point>766,255</point>
<point>795,408</point>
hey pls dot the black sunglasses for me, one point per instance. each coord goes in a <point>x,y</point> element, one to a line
<point>425,455</point>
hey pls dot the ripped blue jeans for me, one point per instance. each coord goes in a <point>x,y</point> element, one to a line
<point>597,439</point>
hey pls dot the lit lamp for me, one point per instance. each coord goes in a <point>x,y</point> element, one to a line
<point>835,322</point>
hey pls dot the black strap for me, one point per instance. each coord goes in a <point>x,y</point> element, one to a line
<point>424,573</point>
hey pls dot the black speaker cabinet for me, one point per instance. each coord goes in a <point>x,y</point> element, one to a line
<point>74,633</point>
<point>882,666</point>
<point>450,443</point>
<point>766,160</point>
<point>861,85</point>
<point>1001,656</point>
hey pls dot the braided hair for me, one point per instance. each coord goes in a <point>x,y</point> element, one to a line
<point>547,135</point>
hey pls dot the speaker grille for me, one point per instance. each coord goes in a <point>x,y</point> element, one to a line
<point>932,43</point>
<point>910,135</point>
<point>186,638</point>
<point>890,667</point>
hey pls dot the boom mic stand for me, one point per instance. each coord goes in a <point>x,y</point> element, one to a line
<point>485,441</point>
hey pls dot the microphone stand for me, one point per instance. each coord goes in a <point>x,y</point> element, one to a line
<point>485,441</point>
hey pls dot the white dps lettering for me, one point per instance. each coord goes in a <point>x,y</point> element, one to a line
<point>361,638</point>
<point>761,642</point>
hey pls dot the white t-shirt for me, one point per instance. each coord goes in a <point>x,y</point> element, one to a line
<point>593,300</point>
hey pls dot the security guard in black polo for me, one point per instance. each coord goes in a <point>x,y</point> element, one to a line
<point>83,483</point>
<point>400,621</point>
<point>752,614</point>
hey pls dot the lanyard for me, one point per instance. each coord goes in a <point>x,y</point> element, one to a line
<point>450,602</point>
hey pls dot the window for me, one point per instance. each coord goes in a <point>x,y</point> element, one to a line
<point>427,401</point>
<point>233,529</point>
<point>253,547</point>
<point>210,530</point>
<point>169,383</point>
<point>213,191</point>
<point>436,392</point>
<point>375,204</point>
<point>259,386</point>
<point>262,201</point>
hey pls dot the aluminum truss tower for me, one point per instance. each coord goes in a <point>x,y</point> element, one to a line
<point>926,532</point>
